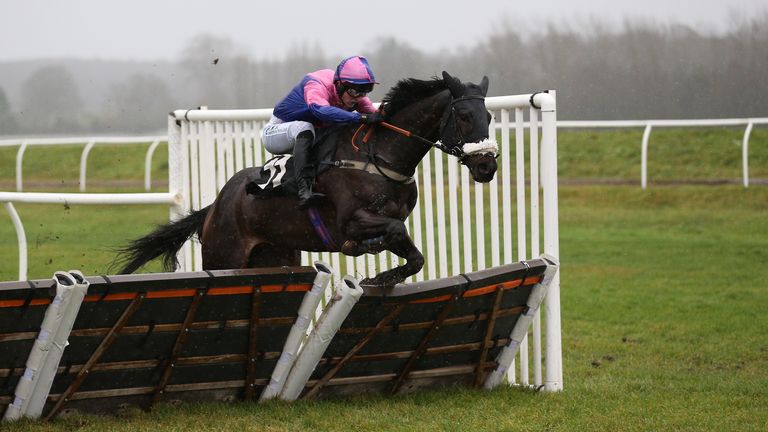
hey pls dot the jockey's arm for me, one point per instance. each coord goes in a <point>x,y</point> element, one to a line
<point>365,106</point>
<point>331,114</point>
<point>316,96</point>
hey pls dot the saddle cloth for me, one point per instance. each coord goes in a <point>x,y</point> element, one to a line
<point>277,177</point>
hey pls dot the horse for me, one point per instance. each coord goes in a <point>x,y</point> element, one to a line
<point>369,189</point>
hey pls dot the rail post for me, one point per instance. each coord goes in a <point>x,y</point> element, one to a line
<point>644,156</point>
<point>745,152</point>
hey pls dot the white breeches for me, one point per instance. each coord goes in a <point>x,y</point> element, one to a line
<point>279,137</point>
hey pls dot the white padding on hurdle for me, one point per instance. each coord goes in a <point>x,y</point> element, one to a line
<point>59,343</point>
<point>348,292</point>
<point>298,331</point>
<point>34,385</point>
<point>507,355</point>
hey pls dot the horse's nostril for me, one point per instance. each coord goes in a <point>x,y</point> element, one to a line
<point>484,171</point>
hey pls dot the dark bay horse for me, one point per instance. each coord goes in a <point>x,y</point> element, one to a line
<point>369,192</point>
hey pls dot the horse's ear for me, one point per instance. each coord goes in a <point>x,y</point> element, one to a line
<point>454,85</point>
<point>484,85</point>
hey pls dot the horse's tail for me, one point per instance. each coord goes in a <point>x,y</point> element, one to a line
<point>165,240</point>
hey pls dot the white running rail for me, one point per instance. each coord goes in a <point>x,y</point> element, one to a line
<point>648,126</point>
<point>89,142</point>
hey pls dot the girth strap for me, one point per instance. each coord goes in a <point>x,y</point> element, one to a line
<point>320,229</point>
<point>370,168</point>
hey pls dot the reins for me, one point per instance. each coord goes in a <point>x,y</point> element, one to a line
<point>392,127</point>
<point>455,150</point>
<point>393,175</point>
<point>410,134</point>
<point>449,112</point>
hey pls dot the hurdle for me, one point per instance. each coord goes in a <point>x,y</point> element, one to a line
<point>143,340</point>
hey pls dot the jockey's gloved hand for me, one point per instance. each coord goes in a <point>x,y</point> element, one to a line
<point>371,118</point>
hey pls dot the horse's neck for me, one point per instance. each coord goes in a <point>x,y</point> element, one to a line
<point>421,118</point>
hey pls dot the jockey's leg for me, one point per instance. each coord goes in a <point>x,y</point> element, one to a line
<point>304,168</point>
<point>278,137</point>
<point>295,137</point>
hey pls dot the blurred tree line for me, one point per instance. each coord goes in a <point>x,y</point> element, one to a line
<point>639,70</point>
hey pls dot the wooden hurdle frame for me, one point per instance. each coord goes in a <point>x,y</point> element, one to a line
<point>140,340</point>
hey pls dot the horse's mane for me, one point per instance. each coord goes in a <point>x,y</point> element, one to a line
<point>408,91</point>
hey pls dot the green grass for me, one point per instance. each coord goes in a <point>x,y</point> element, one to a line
<point>81,237</point>
<point>664,294</point>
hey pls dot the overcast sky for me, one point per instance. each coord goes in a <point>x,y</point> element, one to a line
<point>159,29</point>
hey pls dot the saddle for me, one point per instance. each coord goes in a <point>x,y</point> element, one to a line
<point>277,178</point>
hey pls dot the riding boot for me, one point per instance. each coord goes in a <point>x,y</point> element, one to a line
<point>304,169</point>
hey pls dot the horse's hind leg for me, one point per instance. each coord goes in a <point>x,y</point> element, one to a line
<point>232,255</point>
<point>269,255</point>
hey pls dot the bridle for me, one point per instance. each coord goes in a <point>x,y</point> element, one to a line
<point>449,114</point>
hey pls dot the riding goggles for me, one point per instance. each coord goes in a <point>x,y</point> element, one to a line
<point>358,90</point>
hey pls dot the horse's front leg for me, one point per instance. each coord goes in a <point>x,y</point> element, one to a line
<point>395,239</point>
<point>414,261</point>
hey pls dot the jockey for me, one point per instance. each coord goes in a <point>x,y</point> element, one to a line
<point>321,99</point>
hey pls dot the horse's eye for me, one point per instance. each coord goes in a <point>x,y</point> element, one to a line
<point>464,114</point>
<point>465,117</point>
